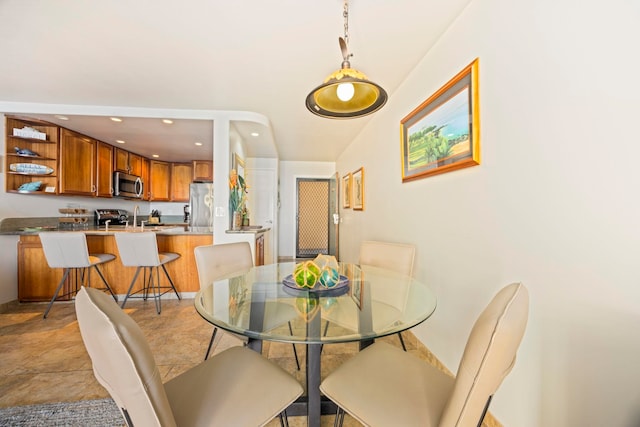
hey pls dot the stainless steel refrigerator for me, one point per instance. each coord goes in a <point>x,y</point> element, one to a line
<point>201,204</point>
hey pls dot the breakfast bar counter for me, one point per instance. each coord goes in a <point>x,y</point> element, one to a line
<point>34,226</point>
<point>37,282</point>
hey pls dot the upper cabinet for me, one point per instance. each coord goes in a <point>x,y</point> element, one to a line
<point>31,156</point>
<point>181,177</point>
<point>159,178</point>
<point>202,170</point>
<point>135,164</point>
<point>77,163</point>
<point>125,161</point>
<point>104,174</point>
<point>146,179</point>
<point>43,158</point>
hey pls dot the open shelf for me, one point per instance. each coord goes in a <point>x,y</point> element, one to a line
<point>37,140</point>
<point>22,156</point>
<point>46,150</point>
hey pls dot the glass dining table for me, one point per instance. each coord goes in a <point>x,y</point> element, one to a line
<point>367,303</point>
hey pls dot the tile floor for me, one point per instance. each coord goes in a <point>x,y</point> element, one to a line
<point>44,361</point>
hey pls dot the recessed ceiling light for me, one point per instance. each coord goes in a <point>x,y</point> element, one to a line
<point>119,141</point>
<point>255,134</point>
<point>167,121</point>
<point>62,117</point>
<point>155,156</point>
<point>116,119</point>
<point>198,144</point>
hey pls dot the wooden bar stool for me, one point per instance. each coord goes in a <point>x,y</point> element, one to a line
<point>140,249</point>
<point>69,250</point>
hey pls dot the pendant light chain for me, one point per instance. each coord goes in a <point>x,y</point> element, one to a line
<point>346,93</point>
<point>346,22</point>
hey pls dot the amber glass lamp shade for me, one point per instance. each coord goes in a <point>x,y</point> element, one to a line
<point>362,98</point>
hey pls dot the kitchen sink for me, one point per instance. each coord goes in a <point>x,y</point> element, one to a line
<point>122,228</point>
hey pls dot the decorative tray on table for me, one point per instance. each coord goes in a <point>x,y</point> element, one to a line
<point>340,287</point>
<point>320,277</point>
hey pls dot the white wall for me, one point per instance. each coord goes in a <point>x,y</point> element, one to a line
<point>553,203</point>
<point>262,179</point>
<point>289,172</point>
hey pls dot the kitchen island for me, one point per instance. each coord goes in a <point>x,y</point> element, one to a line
<point>37,282</point>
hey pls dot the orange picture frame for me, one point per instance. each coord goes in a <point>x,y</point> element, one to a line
<point>357,188</point>
<point>443,133</point>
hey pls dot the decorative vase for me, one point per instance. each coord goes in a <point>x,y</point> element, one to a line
<point>236,222</point>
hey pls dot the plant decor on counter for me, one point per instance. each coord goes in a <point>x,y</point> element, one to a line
<point>237,198</point>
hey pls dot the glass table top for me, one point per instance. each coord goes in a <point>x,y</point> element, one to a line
<point>368,303</point>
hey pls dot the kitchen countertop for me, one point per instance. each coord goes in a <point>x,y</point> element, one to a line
<point>35,225</point>
<point>249,230</point>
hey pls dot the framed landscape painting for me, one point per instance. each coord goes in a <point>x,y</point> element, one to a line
<point>442,134</point>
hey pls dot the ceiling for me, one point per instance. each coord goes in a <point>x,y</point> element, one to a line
<point>249,55</point>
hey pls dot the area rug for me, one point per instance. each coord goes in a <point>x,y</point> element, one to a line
<point>100,412</point>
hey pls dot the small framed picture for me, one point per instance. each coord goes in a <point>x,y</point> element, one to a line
<point>346,191</point>
<point>358,189</point>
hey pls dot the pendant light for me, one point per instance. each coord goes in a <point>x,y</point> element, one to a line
<point>346,93</point>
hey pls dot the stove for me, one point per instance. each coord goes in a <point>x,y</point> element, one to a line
<point>117,216</point>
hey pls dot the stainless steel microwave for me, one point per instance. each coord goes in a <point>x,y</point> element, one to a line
<point>129,186</point>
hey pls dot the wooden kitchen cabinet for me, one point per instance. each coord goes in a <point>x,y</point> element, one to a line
<point>260,249</point>
<point>77,163</point>
<point>127,162</point>
<point>84,166</point>
<point>135,164</point>
<point>104,173</point>
<point>203,170</point>
<point>181,177</point>
<point>46,150</point>
<point>121,160</point>
<point>36,281</point>
<point>159,180</point>
<point>145,179</point>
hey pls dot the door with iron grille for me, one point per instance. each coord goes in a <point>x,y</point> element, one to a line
<point>312,217</point>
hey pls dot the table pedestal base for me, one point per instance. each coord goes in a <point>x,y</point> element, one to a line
<point>299,407</point>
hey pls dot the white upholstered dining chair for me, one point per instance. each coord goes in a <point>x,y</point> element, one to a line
<point>384,386</point>
<point>235,387</point>
<point>215,262</point>
<point>397,257</point>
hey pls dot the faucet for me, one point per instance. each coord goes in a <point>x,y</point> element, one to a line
<point>136,210</point>
<point>106,225</point>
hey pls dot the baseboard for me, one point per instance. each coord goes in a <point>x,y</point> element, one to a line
<point>6,305</point>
